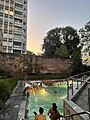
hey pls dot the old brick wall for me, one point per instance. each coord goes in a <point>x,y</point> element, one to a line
<point>48,65</point>
<point>15,64</point>
<point>19,64</point>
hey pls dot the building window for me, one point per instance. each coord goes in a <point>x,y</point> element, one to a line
<point>1,14</point>
<point>11,8</point>
<point>6,15</point>
<point>9,49</point>
<point>11,17</point>
<point>5,31</point>
<point>10,31</point>
<point>4,48</point>
<point>7,1</point>
<point>10,40</point>
<point>12,1</point>
<point>6,8</point>
<point>5,39</point>
<point>1,7</point>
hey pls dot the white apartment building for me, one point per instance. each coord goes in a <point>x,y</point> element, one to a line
<point>13,24</point>
<point>1,40</point>
<point>85,40</point>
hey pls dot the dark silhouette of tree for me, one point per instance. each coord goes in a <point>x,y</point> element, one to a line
<point>51,42</point>
<point>71,39</point>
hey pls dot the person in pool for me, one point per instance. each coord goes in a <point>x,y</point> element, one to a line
<point>53,112</point>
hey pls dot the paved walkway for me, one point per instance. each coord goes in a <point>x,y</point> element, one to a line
<point>15,106</point>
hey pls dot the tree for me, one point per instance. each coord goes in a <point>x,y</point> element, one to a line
<point>51,42</point>
<point>61,38</point>
<point>71,39</point>
<point>76,66</point>
<point>62,52</point>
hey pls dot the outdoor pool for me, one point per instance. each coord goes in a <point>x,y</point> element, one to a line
<point>45,96</point>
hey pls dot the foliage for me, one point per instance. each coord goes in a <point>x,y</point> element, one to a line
<point>71,39</point>
<point>47,76</point>
<point>51,42</point>
<point>61,42</point>
<point>6,87</point>
<point>4,92</point>
<point>62,52</point>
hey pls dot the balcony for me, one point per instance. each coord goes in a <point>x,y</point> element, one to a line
<point>19,8</point>
<point>18,16</point>
<point>1,20</point>
<point>1,10</point>
<point>18,24</point>
<point>17,47</point>
<point>18,39</point>
<point>19,1</point>
<point>18,32</point>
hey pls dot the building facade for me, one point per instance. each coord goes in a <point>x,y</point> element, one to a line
<point>1,40</point>
<point>85,42</point>
<point>13,24</point>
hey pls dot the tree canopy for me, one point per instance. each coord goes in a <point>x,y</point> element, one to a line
<point>52,41</point>
<point>60,42</point>
<point>71,39</point>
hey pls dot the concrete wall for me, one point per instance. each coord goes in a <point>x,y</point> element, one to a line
<point>71,108</point>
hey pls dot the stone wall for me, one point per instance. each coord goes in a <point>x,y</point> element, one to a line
<point>14,64</point>
<point>19,64</point>
<point>48,65</point>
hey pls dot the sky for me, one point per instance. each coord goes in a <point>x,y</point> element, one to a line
<point>44,15</point>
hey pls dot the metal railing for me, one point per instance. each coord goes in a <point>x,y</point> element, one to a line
<point>80,80</point>
<point>66,117</point>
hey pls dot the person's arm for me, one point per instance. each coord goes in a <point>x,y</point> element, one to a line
<point>50,112</point>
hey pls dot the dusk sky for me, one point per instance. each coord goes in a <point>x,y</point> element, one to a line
<point>44,15</point>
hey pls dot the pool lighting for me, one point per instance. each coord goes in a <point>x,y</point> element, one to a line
<point>43,92</point>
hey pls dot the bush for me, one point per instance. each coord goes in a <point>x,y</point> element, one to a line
<point>6,87</point>
<point>1,104</point>
<point>4,92</point>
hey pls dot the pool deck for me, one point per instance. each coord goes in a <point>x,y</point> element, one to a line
<point>15,107</point>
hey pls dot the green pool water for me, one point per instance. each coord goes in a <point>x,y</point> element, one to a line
<point>45,98</point>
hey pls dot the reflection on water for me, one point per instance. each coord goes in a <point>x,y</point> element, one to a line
<point>45,97</point>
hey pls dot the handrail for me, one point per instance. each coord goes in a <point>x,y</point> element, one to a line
<point>70,115</point>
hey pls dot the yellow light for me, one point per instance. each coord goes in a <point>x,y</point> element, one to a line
<point>43,92</point>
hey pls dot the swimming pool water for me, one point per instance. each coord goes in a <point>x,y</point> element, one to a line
<point>45,97</point>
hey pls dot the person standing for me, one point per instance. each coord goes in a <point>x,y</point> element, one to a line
<point>53,112</point>
<point>40,116</point>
